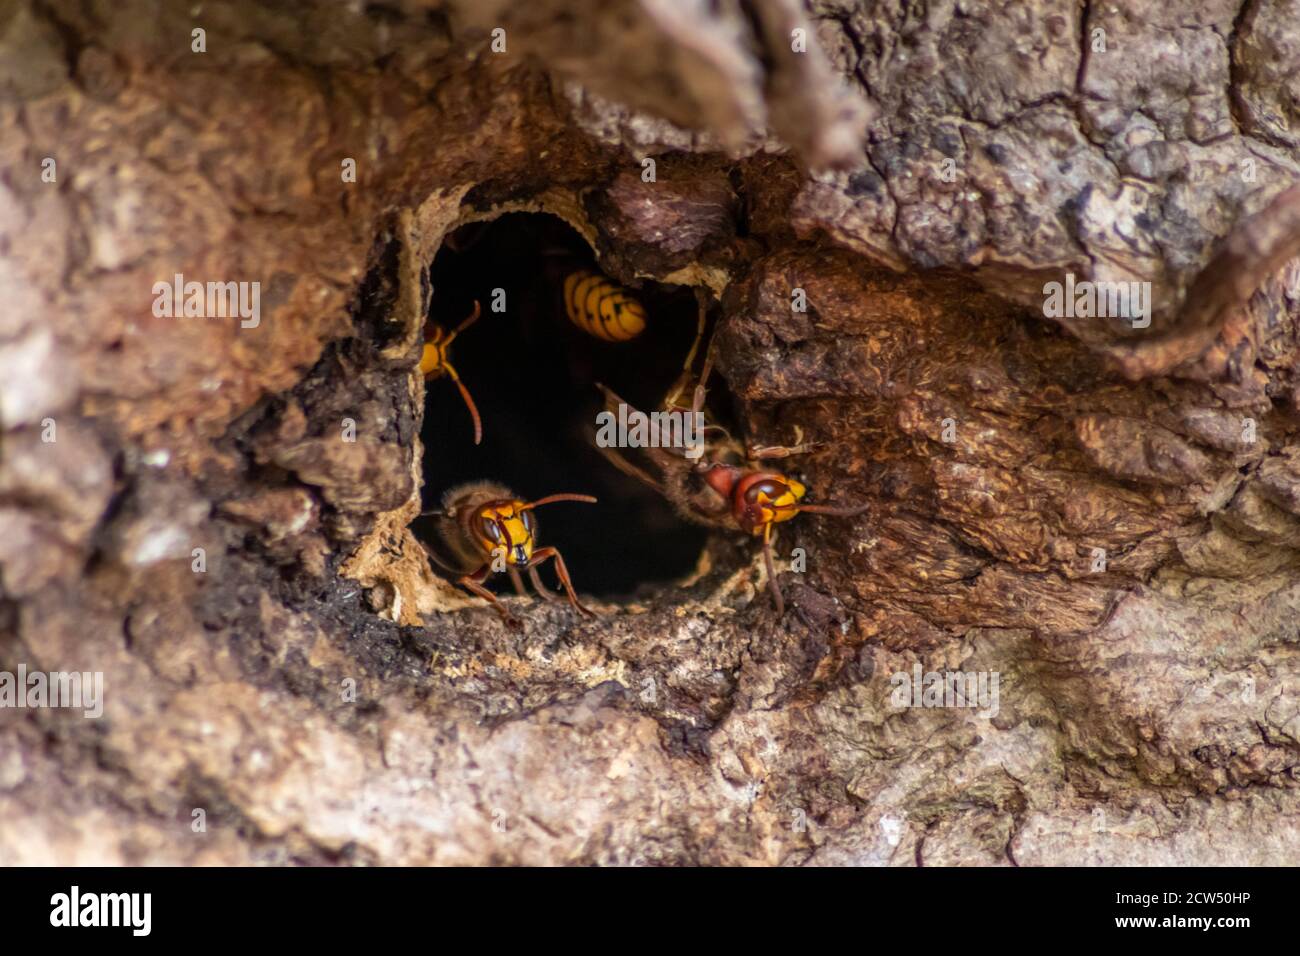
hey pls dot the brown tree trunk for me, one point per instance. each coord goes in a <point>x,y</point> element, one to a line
<point>1103,517</point>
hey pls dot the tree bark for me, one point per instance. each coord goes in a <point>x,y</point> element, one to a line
<point>1103,516</point>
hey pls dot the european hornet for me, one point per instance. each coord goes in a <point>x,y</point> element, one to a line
<point>601,307</point>
<point>435,360</point>
<point>484,528</point>
<point>727,486</point>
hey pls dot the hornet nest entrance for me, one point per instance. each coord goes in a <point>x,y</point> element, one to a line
<point>532,376</point>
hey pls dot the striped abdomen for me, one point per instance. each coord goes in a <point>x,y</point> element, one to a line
<point>602,308</point>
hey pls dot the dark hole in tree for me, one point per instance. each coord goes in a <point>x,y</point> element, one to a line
<point>532,374</point>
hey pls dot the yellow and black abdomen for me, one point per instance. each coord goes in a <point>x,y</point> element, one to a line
<point>601,307</point>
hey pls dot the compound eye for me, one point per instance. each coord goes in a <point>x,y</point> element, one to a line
<point>490,529</point>
<point>529,524</point>
<point>770,487</point>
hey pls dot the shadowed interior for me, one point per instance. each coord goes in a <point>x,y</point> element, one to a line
<point>532,373</point>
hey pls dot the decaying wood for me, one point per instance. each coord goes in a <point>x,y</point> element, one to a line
<point>323,697</point>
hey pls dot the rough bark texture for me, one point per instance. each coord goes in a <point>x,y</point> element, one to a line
<point>1150,709</point>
